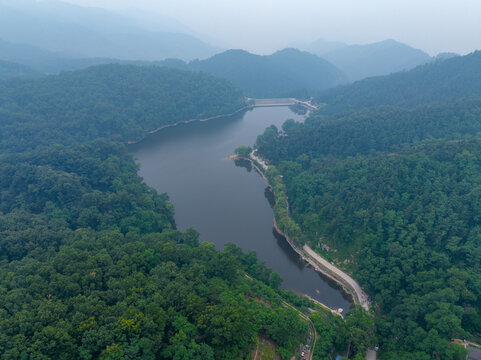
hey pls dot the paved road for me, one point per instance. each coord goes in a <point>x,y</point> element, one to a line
<point>258,159</point>
<point>362,297</point>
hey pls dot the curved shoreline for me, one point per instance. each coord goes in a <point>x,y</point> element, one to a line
<point>318,266</point>
<point>348,285</point>
<point>244,108</point>
<point>151,132</point>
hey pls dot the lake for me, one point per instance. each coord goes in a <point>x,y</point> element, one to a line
<point>225,200</point>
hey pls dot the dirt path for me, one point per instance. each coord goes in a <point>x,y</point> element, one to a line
<point>311,325</point>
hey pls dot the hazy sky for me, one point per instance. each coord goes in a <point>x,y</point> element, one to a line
<point>263,26</point>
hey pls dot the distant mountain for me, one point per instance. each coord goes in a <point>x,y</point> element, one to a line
<point>275,75</point>
<point>436,82</point>
<point>10,51</point>
<point>77,31</point>
<point>320,46</point>
<point>10,70</point>
<point>47,62</point>
<point>445,56</point>
<point>154,22</point>
<point>44,61</point>
<point>381,58</point>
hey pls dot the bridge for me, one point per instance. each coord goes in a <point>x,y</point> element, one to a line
<point>281,102</point>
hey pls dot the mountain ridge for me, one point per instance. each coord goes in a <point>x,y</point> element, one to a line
<point>280,74</point>
<point>93,32</point>
<point>435,82</point>
<point>380,58</point>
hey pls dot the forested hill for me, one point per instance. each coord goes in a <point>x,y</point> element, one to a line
<point>393,195</point>
<point>91,265</point>
<point>276,75</point>
<point>121,102</point>
<point>88,31</point>
<point>437,82</point>
<point>407,224</point>
<point>92,268</point>
<point>12,70</point>
<point>381,58</point>
<point>386,128</point>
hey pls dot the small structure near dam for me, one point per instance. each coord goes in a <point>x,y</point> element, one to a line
<point>281,102</point>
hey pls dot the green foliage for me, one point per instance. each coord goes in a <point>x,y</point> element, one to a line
<point>412,215</point>
<point>10,70</point>
<point>397,193</point>
<point>121,102</point>
<point>91,265</point>
<point>120,282</point>
<point>284,222</point>
<point>243,151</point>
<point>327,329</point>
<point>377,129</point>
<point>286,328</point>
<point>436,82</point>
<point>359,330</point>
<point>288,72</point>
<point>379,58</point>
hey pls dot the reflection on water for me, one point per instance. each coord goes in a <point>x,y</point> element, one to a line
<point>246,164</point>
<point>222,200</point>
<point>284,245</point>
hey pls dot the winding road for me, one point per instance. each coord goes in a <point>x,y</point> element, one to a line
<point>362,298</point>
<point>323,266</point>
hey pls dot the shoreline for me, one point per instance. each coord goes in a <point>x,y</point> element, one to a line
<point>151,132</point>
<point>301,252</point>
<point>244,108</point>
<point>357,296</point>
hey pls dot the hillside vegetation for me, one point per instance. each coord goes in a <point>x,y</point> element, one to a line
<point>281,74</point>
<point>13,70</point>
<point>381,58</point>
<point>395,191</point>
<point>91,263</point>
<point>121,102</point>
<point>438,82</point>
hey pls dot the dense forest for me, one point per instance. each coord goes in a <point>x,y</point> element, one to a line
<point>379,58</point>
<point>9,70</point>
<point>119,102</point>
<point>436,82</point>
<point>385,128</point>
<point>278,75</point>
<point>92,267</point>
<point>391,194</point>
<point>91,263</point>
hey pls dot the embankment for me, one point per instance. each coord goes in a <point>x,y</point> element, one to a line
<point>319,264</point>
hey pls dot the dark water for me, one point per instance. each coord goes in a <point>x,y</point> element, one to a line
<point>225,201</point>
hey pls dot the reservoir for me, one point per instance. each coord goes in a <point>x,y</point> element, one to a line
<point>225,200</point>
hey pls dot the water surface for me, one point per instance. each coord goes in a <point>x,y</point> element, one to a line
<point>226,202</point>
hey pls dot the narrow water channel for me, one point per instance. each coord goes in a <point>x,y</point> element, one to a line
<point>225,201</point>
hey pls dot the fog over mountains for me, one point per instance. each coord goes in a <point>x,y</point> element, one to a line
<point>361,61</point>
<point>52,36</point>
<point>76,31</point>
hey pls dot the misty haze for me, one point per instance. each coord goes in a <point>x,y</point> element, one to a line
<point>240,179</point>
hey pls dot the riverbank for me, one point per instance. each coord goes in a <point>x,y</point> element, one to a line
<point>317,262</point>
<point>251,106</point>
<point>245,108</point>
